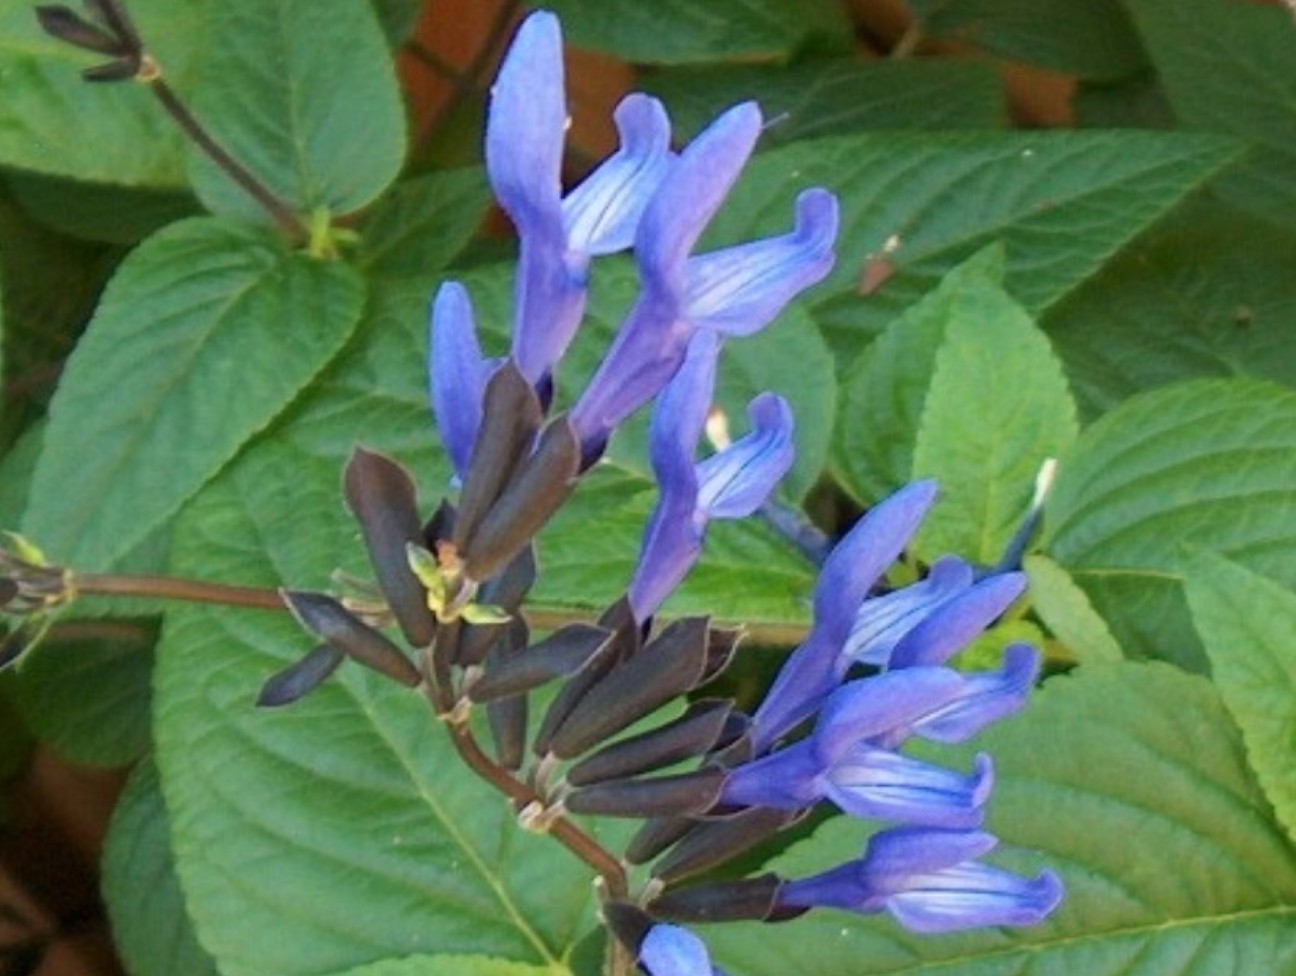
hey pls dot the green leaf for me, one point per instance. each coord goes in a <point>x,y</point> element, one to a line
<point>835,96</point>
<point>52,121</point>
<point>95,212</point>
<point>1248,624</point>
<point>423,223</point>
<point>1110,754</point>
<point>683,32</point>
<point>910,403</point>
<point>1208,463</point>
<point>997,408</point>
<point>445,965</point>
<point>50,286</point>
<point>206,333</point>
<point>151,930</point>
<point>1093,39</point>
<point>15,474</point>
<point>1066,610</point>
<point>884,391</point>
<point>1210,294</point>
<point>1229,68</point>
<point>1138,103</point>
<point>304,95</point>
<point>1062,203</point>
<point>85,689</point>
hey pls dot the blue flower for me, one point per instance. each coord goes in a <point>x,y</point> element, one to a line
<point>730,484</point>
<point>930,881</point>
<point>558,237</point>
<point>458,373</point>
<point>953,624</point>
<point>850,758</point>
<point>815,668</point>
<point>669,950</point>
<point>735,292</point>
<point>883,621</point>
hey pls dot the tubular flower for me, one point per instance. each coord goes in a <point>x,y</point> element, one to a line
<point>734,292</point>
<point>670,950</point>
<point>850,760</point>
<point>857,562</point>
<point>457,373</point>
<point>558,236</point>
<point>930,881</point>
<point>731,484</point>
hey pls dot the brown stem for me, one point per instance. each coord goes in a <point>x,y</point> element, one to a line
<point>173,588</point>
<point>562,830</point>
<point>282,214</point>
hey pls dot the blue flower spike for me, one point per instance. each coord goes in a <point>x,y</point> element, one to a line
<point>850,759</point>
<point>730,484</point>
<point>735,292</point>
<point>857,562</point>
<point>558,237</point>
<point>930,882</point>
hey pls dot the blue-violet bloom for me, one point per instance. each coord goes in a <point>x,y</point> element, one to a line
<point>458,373</point>
<point>558,236</point>
<point>669,950</point>
<point>884,620</point>
<point>730,484</point>
<point>850,760</point>
<point>856,563</point>
<point>930,881</point>
<point>735,292</point>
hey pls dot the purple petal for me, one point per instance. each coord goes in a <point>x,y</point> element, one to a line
<point>602,214</point>
<point>526,124</point>
<point>883,621</point>
<point>689,198</point>
<point>736,481</point>
<point>975,896</point>
<point>681,411</point>
<point>865,553</point>
<point>740,290</point>
<point>669,950</point>
<point>987,697</point>
<point>784,780</point>
<point>645,354</point>
<point>894,856</point>
<point>884,785</point>
<point>458,373</point>
<point>673,538</point>
<point>958,622</point>
<point>872,707</point>
<point>850,571</point>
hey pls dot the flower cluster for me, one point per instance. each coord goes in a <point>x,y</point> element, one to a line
<point>455,584</point>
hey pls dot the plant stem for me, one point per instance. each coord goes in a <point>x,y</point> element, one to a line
<point>562,830</point>
<point>173,588</point>
<point>279,211</point>
<point>260,598</point>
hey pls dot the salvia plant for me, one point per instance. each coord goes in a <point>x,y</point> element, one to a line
<point>696,569</point>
